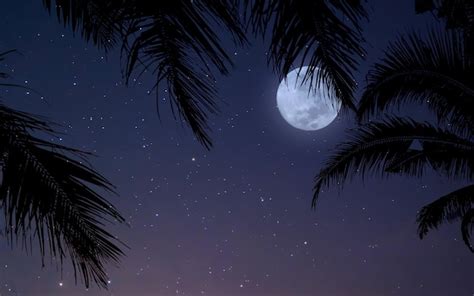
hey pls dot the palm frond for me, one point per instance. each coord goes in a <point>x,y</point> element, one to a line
<point>323,35</point>
<point>467,226</point>
<point>458,15</point>
<point>175,40</point>
<point>46,196</point>
<point>99,21</point>
<point>382,148</point>
<point>450,156</point>
<point>455,206</point>
<point>434,72</point>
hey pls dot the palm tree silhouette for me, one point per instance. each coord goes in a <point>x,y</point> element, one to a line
<point>45,195</point>
<point>434,71</point>
<point>175,40</point>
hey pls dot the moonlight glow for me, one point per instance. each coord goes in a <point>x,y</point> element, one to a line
<point>303,108</point>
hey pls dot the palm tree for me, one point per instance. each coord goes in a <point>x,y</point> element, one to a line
<point>47,198</point>
<point>434,71</point>
<point>175,40</point>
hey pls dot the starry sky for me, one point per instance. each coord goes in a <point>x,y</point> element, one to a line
<point>235,220</point>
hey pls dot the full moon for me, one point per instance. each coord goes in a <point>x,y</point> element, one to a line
<point>304,108</point>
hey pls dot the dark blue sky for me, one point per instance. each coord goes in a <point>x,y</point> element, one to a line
<point>235,220</point>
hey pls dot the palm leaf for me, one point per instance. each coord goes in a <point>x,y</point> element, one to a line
<point>467,225</point>
<point>99,21</point>
<point>451,157</point>
<point>455,206</point>
<point>459,16</point>
<point>381,148</point>
<point>46,196</point>
<point>434,72</point>
<point>323,35</point>
<point>175,40</point>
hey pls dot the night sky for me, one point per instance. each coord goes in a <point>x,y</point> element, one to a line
<point>235,220</point>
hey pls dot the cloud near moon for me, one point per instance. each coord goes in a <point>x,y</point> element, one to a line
<point>303,108</point>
